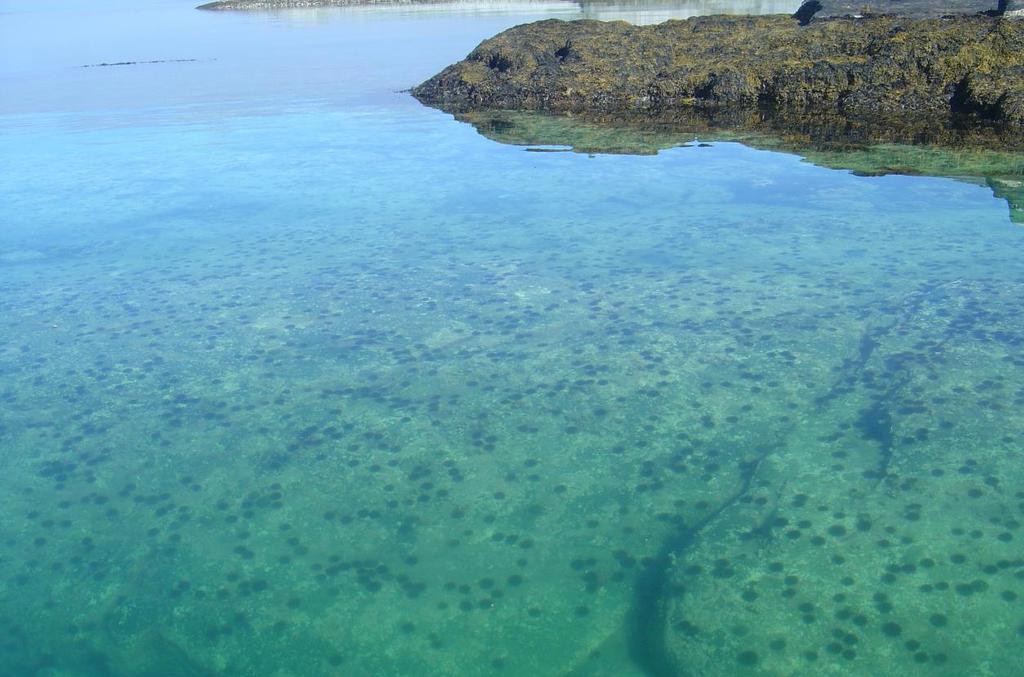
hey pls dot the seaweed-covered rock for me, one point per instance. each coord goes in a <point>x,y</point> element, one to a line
<point>877,66</point>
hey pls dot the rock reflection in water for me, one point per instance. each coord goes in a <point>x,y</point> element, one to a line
<point>976,155</point>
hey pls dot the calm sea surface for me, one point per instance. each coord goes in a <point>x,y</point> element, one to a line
<point>299,377</point>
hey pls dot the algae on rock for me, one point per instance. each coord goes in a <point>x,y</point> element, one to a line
<point>969,67</point>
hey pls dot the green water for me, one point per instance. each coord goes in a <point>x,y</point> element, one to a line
<point>301,387</point>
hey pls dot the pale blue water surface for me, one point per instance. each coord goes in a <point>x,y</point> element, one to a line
<point>299,377</point>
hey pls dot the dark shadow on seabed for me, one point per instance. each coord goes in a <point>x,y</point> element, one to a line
<point>984,156</point>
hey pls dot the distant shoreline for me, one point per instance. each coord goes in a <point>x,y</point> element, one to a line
<point>311,4</point>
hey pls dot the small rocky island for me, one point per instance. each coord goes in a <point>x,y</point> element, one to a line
<point>952,69</point>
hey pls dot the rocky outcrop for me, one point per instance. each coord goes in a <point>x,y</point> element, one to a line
<point>881,67</point>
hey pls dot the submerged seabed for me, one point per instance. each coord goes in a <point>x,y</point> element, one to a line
<point>344,393</point>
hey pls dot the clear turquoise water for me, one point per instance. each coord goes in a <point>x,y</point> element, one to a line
<point>300,378</point>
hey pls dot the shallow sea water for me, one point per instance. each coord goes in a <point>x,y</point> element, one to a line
<point>298,377</point>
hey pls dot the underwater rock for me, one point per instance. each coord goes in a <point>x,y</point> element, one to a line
<point>874,67</point>
<point>849,570</point>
